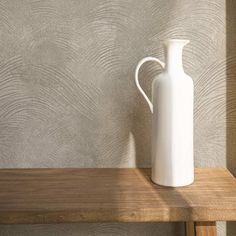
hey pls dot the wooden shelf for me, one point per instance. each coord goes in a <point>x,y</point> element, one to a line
<point>108,195</point>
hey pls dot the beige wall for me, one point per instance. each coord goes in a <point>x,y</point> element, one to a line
<point>67,92</point>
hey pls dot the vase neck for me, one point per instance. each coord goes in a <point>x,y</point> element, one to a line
<point>173,55</point>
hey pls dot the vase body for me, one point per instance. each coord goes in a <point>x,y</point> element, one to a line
<point>172,121</point>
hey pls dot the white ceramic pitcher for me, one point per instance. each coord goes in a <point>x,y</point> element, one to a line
<point>172,118</point>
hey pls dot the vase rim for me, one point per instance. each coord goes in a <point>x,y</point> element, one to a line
<point>184,41</point>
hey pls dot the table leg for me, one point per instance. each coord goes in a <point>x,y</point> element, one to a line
<point>189,228</point>
<point>201,228</point>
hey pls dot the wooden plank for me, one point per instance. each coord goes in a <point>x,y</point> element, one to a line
<point>108,195</point>
<point>205,228</point>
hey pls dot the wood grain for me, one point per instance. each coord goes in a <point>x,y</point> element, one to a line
<point>205,228</point>
<point>190,228</point>
<point>200,228</point>
<point>107,195</point>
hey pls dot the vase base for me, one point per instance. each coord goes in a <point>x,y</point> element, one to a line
<point>173,185</point>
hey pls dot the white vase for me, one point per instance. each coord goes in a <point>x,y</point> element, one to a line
<point>172,118</point>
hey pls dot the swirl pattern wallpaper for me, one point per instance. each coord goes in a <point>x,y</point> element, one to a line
<point>68,96</point>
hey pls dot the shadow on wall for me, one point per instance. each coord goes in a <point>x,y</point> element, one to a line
<point>231,94</point>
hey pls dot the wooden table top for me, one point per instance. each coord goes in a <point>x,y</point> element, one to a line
<point>112,195</point>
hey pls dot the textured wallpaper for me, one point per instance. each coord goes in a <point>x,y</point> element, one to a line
<point>68,97</point>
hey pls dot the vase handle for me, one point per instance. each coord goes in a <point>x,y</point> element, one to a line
<point>162,64</point>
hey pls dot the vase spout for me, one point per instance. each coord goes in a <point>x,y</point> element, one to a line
<point>173,54</point>
<point>179,42</point>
